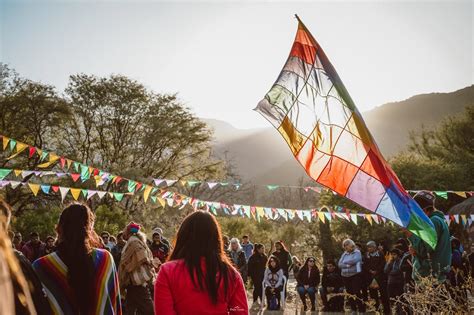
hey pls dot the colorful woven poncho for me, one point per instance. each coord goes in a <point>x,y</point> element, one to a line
<point>52,272</point>
<point>311,108</point>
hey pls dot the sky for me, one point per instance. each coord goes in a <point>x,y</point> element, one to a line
<point>222,57</point>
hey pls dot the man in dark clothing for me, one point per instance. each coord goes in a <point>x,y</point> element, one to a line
<point>375,263</point>
<point>332,283</point>
<point>18,241</point>
<point>117,249</point>
<point>159,250</point>
<point>33,249</point>
<point>49,246</point>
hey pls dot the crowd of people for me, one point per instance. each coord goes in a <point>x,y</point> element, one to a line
<point>80,272</point>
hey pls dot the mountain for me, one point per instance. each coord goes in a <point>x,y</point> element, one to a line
<point>262,156</point>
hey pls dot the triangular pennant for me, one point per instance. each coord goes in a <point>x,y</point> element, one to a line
<point>55,188</point>
<point>75,165</point>
<point>212,185</point>
<point>34,188</point>
<point>5,141</point>
<point>91,193</point>
<point>153,199</point>
<point>32,151</point>
<point>14,184</point>
<point>45,188</point>
<point>272,187</point>
<point>75,192</point>
<point>158,181</point>
<point>20,147</point>
<point>4,172</point>
<point>75,176</point>
<point>375,218</point>
<point>85,192</point>
<point>170,182</point>
<point>328,216</point>
<point>321,217</point>
<point>101,194</point>
<point>162,202</point>
<point>17,172</point>
<point>456,218</point>
<point>146,193</point>
<point>12,144</point>
<point>43,155</point>
<point>85,173</point>
<point>193,183</point>
<point>442,194</point>
<point>64,191</point>
<point>131,186</point>
<point>461,193</point>
<point>62,162</point>
<point>237,186</point>
<point>369,218</point>
<point>354,218</point>
<point>118,196</point>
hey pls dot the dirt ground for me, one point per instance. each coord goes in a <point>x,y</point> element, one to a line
<point>294,305</point>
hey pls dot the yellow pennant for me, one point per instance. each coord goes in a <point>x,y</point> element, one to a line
<point>183,182</point>
<point>20,147</point>
<point>17,172</point>
<point>75,192</point>
<point>5,142</point>
<point>369,218</point>
<point>162,202</point>
<point>68,162</point>
<point>461,193</point>
<point>34,188</point>
<point>321,216</point>
<point>146,193</point>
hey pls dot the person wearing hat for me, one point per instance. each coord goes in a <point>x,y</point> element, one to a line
<point>136,271</point>
<point>159,231</point>
<point>374,265</point>
<point>427,260</point>
<point>159,249</point>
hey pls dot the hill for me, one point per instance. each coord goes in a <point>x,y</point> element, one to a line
<point>263,157</point>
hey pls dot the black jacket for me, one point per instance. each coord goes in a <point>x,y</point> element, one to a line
<point>332,279</point>
<point>285,260</point>
<point>375,262</point>
<point>256,267</point>
<point>305,278</point>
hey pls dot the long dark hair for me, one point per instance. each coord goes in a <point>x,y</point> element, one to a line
<point>256,247</point>
<point>283,247</point>
<point>306,266</point>
<point>199,236</point>
<point>277,265</point>
<point>75,242</point>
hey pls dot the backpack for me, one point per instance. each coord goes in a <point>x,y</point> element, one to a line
<point>273,303</point>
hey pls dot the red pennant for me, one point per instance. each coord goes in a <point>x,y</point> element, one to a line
<point>139,185</point>
<point>62,162</point>
<point>95,172</point>
<point>32,152</point>
<point>55,188</point>
<point>333,214</point>
<point>75,176</point>
<point>348,214</point>
<point>118,179</point>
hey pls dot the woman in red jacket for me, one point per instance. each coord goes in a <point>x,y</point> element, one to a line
<point>199,278</point>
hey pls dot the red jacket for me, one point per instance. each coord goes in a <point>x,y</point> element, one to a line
<point>175,294</point>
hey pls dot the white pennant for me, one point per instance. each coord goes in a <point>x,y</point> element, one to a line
<point>158,181</point>
<point>212,185</point>
<point>170,182</point>
<point>14,184</point>
<point>91,193</point>
<point>64,191</point>
<point>101,194</point>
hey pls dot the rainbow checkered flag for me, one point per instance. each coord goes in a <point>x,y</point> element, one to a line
<point>312,110</point>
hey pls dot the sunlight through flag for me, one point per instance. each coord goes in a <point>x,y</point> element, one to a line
<point>312,110</point>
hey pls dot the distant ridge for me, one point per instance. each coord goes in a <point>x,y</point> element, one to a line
<point>262,156</point>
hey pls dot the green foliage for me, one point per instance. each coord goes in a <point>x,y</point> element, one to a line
<point>110,219</point>
<point>42,220</point>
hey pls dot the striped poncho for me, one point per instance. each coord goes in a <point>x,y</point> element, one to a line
<point>53,274</point>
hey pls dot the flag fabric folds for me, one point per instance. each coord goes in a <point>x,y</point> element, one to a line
<point>310,107</point>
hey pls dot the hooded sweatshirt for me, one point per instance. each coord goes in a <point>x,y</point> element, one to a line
<point>439,259</point>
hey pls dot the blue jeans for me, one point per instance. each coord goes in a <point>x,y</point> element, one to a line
<point>311,291</point>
